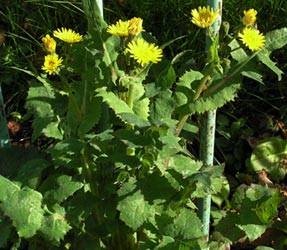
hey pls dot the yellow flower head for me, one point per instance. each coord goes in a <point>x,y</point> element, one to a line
<point>144,52</point>
<point>249,18</point>
<point>68,35</point>
<point>49,44</point>
<point>135,26</point>
<point>121,28</point>
<point>52,64</point>
<point>204,17</point>
<point>252,38</point>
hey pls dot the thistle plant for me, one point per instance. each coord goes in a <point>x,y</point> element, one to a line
<point>117,173</point>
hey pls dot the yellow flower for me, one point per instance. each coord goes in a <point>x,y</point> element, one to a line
<point>249,18</point>
<point>135,26</point>
<point>252,38</point>
<point>204,17</point>
<point>52,64</point>
<point>144,52</point>
<point>49,44</point>
<point>121,28</point>
<point>68,35</point>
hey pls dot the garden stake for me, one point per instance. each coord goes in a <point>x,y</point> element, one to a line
<point>4,135</point>
<point>101,8</point>
<point>207,133</point>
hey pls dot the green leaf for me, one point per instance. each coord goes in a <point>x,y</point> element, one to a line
<point>267,210</point>
<point>212,101</point>
<point>164,74</point>
<point>121,109</point>
<point>111,49</point>
<point>114,102</point>
<point>264,248</point>
<point>237,53</point>
<point>12,156</point>
<point>67,153</point>
<point>6,230</point>
<point>59,188</point>
<point>134,210</point>
<point>276,39</point>
<point>184,165</point>
<point>253,231</point>
<point>264,57</point>
<point>188,78</point>
<point>30,173</point>
<point>163,106</point>
<point>253,75</point>
<point>55,225</point>
<point>22,206</point>
<point>231,233</point>
<point>269,155</point>
<point>39,103</point>
<point>186,225</point>
<point>141,108</point>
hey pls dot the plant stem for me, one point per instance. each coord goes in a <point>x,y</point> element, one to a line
<point>130,99</point>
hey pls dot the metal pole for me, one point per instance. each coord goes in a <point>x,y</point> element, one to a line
<point>101,7</point>
<point>4,135</point>
<point>207,133</point>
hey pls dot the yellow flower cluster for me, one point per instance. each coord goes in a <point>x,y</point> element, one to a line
<point>204,17</point>
<point>144,52</point>
<point>250,35</point>
<point>138,49</point>
<point>52,61</point>
<point>252,38</point>
<point>68,35</point>
<point>249,18</point>
<point>131,27</point>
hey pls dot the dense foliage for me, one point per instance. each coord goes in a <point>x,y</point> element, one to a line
<point>116,167</point>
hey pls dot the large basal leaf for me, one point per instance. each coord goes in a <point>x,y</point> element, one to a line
<point>30,173</point>
<point>59,188</point>
<point>22,206</point>
<point>55,225</point>
<point>270,155</point>
<point>11,159</point>
<point>252,231</point>
<point>255,211</point>
<point>39,103</point>
<point>134,210</point>
<point>186,225</point>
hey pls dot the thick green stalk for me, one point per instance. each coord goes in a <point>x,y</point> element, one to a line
<point>4,135</point>
<point>208,122</point>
